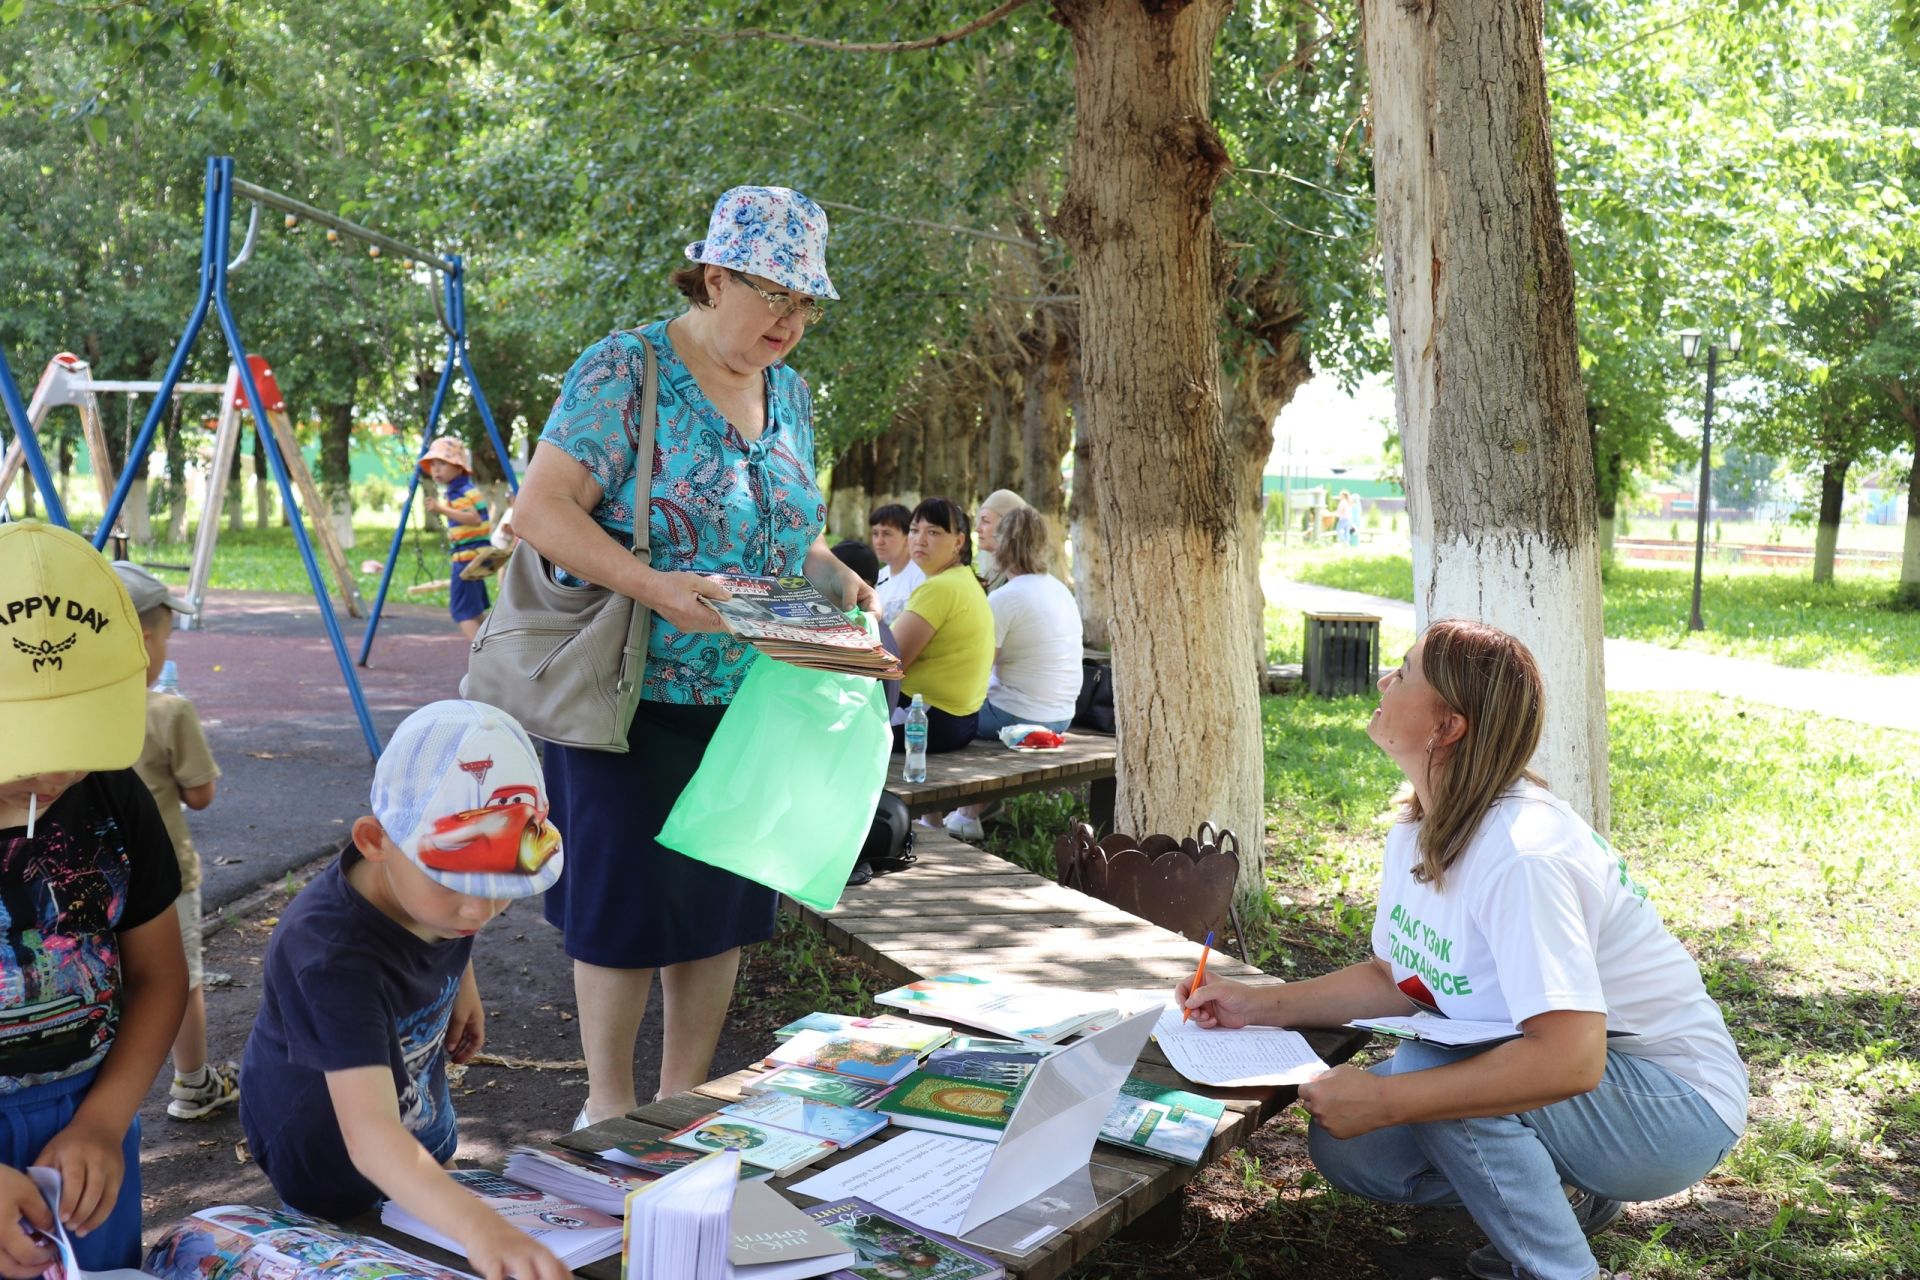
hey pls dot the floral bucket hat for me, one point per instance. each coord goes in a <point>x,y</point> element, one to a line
<point>772,232</point>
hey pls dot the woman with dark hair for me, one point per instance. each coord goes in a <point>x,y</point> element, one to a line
<point>946,630</point>
<point>1500,904</point>
<point>730,488</point>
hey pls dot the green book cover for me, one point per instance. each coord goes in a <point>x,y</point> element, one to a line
<point>947,1105</point>
<point>1167,1122</point>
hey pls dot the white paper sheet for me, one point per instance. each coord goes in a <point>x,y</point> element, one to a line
<point>1247,1057</point>
<point>926,1178</point>
<point>1447,1031</point>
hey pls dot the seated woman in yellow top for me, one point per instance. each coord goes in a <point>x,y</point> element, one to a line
<point>946,630</point>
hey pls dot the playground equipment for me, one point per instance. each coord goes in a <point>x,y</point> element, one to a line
<point>66,382</point>
<point>221,189</point>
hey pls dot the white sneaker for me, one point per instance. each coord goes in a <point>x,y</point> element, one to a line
<point>580,1121</point>
<point>190,1102</point>
<point>964,826</point>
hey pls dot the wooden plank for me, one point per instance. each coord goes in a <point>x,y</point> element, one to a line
<point>984,771</point>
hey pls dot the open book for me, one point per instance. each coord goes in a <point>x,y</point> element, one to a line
<point>576,1234</point>
<point>1036,1015</point>
<point>786,618</point>
<point>240,1242</point>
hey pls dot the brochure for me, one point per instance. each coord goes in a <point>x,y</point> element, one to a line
<point>240,1242</point>
<point>909,1034</point>
<point>822,1086</point>
<point>828,1121</point>
<point>1008,1066</point>
<point>576,1234</point>
<point>787,619</point>
<point>845,1054</point>
<point>1036,1015</point>
<point>758,1144</point>
<point>1164,1122</point>
<point>886,1247</point>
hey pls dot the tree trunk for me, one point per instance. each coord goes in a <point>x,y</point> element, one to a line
<point>1138,216</point>
<point>1609,502</point>
<point>1499,471</point>
<point>1083,531</point>
<point>65,483</point>
<point>1833,496</point>
<point>262,485</point>
<point>1046,433</point>
<point>236,488</point>
<point>1907,594</point>
<point>336,468</point>
<point>998,406</point>
<point>176,476</point>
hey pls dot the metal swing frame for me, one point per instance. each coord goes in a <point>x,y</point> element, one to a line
<point>216,237</point>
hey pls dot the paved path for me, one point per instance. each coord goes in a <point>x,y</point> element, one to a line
<point>1635,666</point>
<point>295,770</point>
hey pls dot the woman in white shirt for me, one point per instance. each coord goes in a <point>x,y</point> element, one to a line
<point>1499,903</point>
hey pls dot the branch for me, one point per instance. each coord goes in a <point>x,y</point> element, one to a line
<point>841,46</point>
<point>1002,237</point>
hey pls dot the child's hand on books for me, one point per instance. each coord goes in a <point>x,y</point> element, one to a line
<point>500,1251</point>
<point>21,1257</point>
<point>1220,1002</point>
<point>91,1166</point>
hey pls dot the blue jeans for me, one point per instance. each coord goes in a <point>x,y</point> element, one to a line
<point>28,1121</point>
<point>993,720</point>
<point>1643,1134</point>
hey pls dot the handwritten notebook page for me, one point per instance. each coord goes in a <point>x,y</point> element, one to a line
<point>1243,1058</point>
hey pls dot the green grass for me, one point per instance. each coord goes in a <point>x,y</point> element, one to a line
<point>1770,615</point>
<point>1780,849</point>
<point>266,560</point>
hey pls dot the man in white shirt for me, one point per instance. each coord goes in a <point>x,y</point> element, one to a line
<point>899,575</point>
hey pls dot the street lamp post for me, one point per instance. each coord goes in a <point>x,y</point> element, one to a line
<point>1689,349</point>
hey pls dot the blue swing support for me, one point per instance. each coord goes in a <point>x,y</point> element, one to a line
<point>216,238</point>
<point>30,447</point>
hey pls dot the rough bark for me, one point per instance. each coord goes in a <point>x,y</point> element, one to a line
<point>1273,366</point>
<point>1046,434</point>
<point>1609,481</point>
<point>1499,471</point>
<point>1001,407</point>
<point>176,476</point>
<point>1833,496</point>
<point>1083,531</point>
<point>336,467</point>
<point>1908,592</point>
<point>1138,217</point>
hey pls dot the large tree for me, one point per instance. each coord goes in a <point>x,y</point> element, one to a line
<point>1488,400</point>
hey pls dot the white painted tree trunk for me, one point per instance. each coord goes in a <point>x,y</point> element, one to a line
<point>1499,472</point>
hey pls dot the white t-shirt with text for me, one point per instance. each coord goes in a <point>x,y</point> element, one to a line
<point>1036,629</point>
<point>893,590</point>
<point>1539,913</point>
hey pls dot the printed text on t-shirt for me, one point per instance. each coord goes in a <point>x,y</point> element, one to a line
<point>1423,949</point>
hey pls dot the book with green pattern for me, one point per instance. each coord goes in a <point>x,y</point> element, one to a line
<point>943,1104</point>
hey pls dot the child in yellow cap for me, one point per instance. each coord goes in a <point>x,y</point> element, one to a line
<point>464,508</point>
<point>92,978</point>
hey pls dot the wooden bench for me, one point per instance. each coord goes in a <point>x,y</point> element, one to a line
<point>985,771</point>
<point>964,910</point>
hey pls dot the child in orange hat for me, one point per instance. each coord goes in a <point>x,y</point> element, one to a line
<point>469,531</point>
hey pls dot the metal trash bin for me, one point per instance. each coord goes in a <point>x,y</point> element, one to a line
<point>1342,654</point>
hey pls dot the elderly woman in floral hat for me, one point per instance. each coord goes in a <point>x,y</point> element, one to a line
<point>730,489</point>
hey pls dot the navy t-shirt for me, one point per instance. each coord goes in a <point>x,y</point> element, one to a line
<point>346,986</point>
<point>99,863</point>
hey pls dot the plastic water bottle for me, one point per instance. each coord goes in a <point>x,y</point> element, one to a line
<point>916,770</point>
<point>169,681</point>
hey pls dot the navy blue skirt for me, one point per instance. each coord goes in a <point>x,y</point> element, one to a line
<point>624,902</point>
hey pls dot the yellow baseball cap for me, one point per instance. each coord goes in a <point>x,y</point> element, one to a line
<point>73,667</point>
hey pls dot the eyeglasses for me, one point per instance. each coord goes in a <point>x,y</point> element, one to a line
<point>785,304</point>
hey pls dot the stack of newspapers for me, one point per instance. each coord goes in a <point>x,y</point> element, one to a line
<point>787,619</point>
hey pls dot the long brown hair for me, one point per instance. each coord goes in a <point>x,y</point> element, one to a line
<point>1493,683</point>
<point>1022,539</point>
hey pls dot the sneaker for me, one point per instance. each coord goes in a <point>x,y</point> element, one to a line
<point>964,826</point>
<point>580,1121</point>
<point>1594,1215</point>
<point>221,1087</point>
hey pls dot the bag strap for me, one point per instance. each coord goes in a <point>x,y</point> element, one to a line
<point>634,661</point>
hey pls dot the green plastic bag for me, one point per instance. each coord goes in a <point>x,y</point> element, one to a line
<point>787,789</point>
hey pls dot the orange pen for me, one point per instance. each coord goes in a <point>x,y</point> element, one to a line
<point>1199,973</point>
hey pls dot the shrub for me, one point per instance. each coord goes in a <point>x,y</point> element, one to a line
<point>1673,531</point>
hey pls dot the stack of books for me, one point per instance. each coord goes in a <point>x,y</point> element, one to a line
<point>787,619</point>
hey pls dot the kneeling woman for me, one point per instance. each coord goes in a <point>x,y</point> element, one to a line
<point>1499,903</point>
<point>946,631</point>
